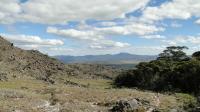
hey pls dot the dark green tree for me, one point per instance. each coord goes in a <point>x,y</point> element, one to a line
<point>174,53</point>
<point>196,55</point>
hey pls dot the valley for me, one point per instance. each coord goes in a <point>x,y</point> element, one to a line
<point>34,82</point>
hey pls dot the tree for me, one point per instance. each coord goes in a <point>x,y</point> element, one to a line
<point>196,55</point>
<point>174,53</point>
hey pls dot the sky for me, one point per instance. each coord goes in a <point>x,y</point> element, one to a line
<point>95,27</point>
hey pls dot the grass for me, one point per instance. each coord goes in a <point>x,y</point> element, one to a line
<point>19,84</point>
<point>33,94</point>
<point>93,83</point>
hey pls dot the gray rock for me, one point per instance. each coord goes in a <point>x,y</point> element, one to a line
<point>127,106</point>
<point>134,104</point>
<point>173,110</point>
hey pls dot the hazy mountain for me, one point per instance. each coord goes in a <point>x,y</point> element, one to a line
<point>121,58</point>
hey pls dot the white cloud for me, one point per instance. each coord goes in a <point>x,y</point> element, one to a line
<point>60,49</point>
<point>104,44</point>
<point>92,37</point>
<point>175,25</point>
<point>175,9</point>
<point>9,9</point>
<point>96,37</point>
<point>62,11</point>
<point>198,21</point>
<point>76,34</point>
<point>32,42</point>
<point>170,42</point>
<point>153,37</point>
<point>107,24</point>
<point>132,28</point>
<point>186,40</point>
<point>30,47</point>
<point>193,39</point>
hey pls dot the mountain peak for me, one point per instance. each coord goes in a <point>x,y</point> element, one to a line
<point>124,53</point>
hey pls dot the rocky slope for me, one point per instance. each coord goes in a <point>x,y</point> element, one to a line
<point>18,63</point>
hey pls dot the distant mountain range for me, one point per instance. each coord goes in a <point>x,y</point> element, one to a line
<point>121,58</point>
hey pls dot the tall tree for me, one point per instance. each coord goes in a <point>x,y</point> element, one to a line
<point>174,53</point>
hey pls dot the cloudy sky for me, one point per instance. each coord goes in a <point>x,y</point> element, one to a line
<point>81,27</point>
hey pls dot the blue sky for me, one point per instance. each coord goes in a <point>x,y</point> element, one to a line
<point>77,27</point>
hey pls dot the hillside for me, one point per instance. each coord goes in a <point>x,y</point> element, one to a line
<point>18,63</point>
<point>121,58</point>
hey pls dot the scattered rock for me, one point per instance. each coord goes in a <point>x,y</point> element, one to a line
<point>3,77</point>
<point>18,111</point>
<point>47,107</point>
<point>74,84</point>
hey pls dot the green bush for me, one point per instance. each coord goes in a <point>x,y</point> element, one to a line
<point>171,73</point>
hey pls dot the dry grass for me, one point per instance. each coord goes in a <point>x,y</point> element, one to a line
<point>33,95</point>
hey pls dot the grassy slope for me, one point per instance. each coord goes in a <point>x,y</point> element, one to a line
<point>33,96</point>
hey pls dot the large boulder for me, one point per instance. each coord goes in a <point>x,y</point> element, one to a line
<point>133,105</point>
